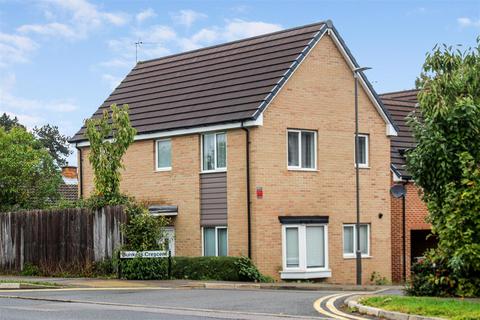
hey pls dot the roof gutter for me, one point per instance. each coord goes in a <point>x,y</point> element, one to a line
<point>185,131</point>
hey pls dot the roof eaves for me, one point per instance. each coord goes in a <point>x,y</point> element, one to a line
<point>399,174</point>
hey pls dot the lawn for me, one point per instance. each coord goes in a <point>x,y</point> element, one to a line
<point>455,309</point>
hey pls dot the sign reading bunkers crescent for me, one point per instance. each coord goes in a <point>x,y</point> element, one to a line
<point>143,254</point>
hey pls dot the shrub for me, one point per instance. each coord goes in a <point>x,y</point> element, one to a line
<point>247,271</point>
<point>377,279</point>
<point>193,268</point>
<point>105,268</point>
<point>433,276</point>
<point>143,231</point>
<point>30,270</point>
<point>144,269</point>
<point>206,268</point>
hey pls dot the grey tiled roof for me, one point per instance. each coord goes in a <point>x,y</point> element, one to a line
<point>400,104</point>
<point>225,83</point>
<point>68,191</point>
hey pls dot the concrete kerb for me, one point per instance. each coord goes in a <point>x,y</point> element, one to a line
<point>352,302</point>
<point>190,284</point>
<point>17,285</point>
<point>283,286</point>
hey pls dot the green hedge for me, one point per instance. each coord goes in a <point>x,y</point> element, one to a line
<point>206,268</point>
<point>144,269</point>
<point>192,268</point>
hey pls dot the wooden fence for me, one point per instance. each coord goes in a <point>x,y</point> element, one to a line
<point>59,238</point>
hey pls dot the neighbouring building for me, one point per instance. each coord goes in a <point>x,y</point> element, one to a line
<point>69,187</point>
<point>417,231</point>
<point>249,147</point>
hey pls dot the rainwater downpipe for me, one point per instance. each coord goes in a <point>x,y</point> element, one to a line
<point>249,202</point>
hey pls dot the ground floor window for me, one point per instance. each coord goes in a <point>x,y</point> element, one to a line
<point>215,241</point>
<point>305,247</point>
<point>350,240</point>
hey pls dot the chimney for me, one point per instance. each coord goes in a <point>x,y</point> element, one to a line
<point>69,172</point>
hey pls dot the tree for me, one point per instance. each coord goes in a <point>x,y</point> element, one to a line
<point>55,142</point>
<point>7,123</point>
<point>110,137</point>
<point>446,160</point>
<point>28,176</point>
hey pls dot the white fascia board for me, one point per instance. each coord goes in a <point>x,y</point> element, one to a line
<point>181,132</point>
<point>390,129</point>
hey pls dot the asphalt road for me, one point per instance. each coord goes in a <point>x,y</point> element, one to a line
<point>174,304</point>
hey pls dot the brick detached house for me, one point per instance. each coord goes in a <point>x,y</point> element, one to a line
<point>249,147</point>
<point>400,104</point>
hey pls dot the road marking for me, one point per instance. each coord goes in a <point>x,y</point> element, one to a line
<point>331,305</point>
<point>331,311</point>
<point>317,305</point>
<point>84,289</point>
<point>230,314</point>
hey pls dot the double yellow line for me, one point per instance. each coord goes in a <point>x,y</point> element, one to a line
<point>332,311</point>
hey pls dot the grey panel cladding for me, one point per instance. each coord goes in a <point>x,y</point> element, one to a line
<point>213,199</point>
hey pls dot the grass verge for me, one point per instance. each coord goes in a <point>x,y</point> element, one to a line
<point>38,283</point>
<point>455,309</point>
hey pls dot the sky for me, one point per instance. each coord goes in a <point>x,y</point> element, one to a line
<point>60,59</point>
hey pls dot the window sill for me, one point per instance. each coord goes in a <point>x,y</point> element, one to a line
<point>352,257</point>
<point>163,169</point>
<point>305,274</point>
<point>362,166</point>
<point>302,169</point>
<point>214,171</point>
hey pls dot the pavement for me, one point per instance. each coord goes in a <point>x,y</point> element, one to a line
<point>178,299</point>
<point>119,283</point>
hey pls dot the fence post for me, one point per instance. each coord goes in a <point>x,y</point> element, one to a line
<point>169,264</point>
<point>119,267</point>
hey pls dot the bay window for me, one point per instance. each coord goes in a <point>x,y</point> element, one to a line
<point>305,251</point>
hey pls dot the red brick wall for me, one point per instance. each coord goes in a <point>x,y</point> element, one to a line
<point>415,213</point>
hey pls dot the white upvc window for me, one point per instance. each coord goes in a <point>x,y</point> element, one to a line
<point>163,155</point>
<point>350,240</point>
<point>301,149</point>
<point>215,241</point>
<point>214,152</point>
<point>305,251</point>
<point>363,150</point>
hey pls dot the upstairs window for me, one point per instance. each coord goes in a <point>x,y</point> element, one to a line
<point>214,152</point>
<point>302,149</point>
<point>164,155</point>
<point>363,150</point>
